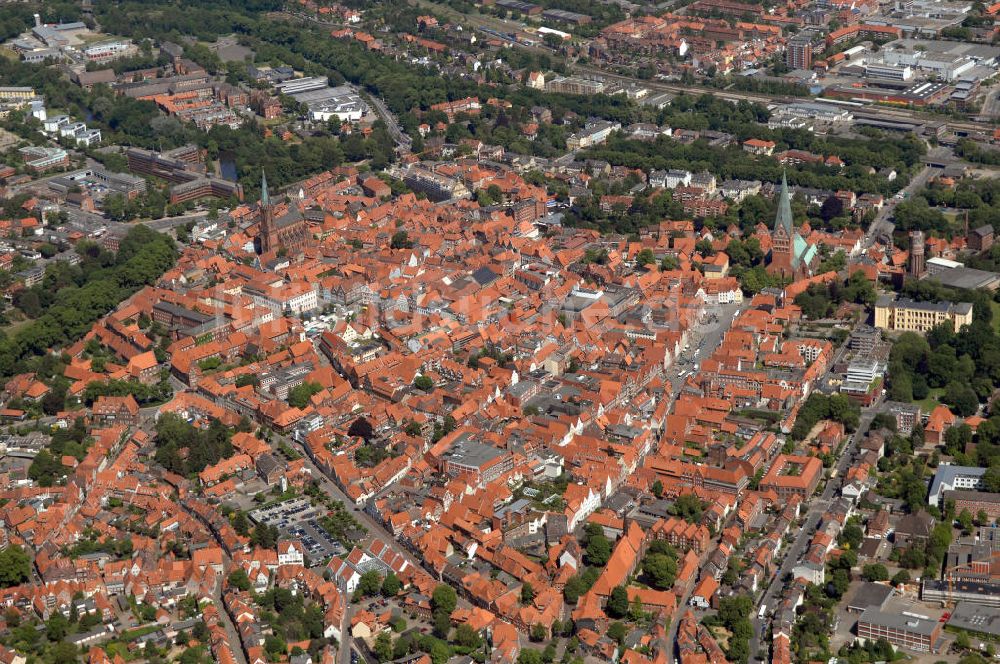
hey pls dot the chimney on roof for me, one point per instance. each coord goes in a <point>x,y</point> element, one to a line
<point>38,20</point>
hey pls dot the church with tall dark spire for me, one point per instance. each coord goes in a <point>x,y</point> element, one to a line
<point>791,256</point>
<point>280,229</point>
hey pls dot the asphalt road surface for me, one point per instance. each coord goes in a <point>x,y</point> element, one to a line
<point>793,553</point>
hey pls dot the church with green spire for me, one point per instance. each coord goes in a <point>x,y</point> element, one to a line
<point>791,256</point>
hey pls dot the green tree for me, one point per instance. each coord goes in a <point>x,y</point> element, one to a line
<point>62,652</point>
<point>617,632</point>
<point>574,588</point>
<point>965,521</point>
<point>275,645</point>
<point>852,535</point>
<point>669,263</point>
<point>962,398</point>
<point>688,507</point>
<point>56,627</point>
<point>241,524</point>
<point>15,566</point>
<point>200,631</point>
<point>391,585</point>
<point>529,656</point>
<point>617,606</point>
<point>264,536</point>
<point>383,647</point>
<point>660,570</point>
<point>598,550</point>
<point>369,585</point>
<point>913,558</point>
<point>238,579</point>
<point>875,572</point>
<point>859,289</point>
<point>400,240</point>
<point>840,581</point>
<point>468,638</point>
<point>299,396</point>
<point>444,599</point>
<point>645,257</point>
<point>440,652</point>
<point>991,479</point>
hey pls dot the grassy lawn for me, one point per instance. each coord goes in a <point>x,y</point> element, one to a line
<point>139,631</point>
<point>15,326</point>
<point>928,404</point>
<point>721,635</point>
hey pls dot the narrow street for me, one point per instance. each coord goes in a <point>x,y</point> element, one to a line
<point>702,342</point>
<point>231,634</point>
<point>346,640</point>
<point>794,551</point>
<point>227,622</point>
<point>882,225</point>
<point>676,618</point>
<point>330,487</point>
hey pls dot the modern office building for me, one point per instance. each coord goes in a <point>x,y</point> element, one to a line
<point>985,594</point>
<point>478,463</point>
<point>41,159</point>
<point>903,630</point>
<point>437,187</point>
<point>950,478</point>
<point>183,168</point>
<point>906,416</point>
<point>297,85</point>
<point>975,618</point>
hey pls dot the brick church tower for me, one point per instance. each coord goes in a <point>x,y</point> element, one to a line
<point>783,236</point>
<point>268,234</point>
<point>281,229</point>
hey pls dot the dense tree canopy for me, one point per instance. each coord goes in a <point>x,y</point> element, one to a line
<point>837,407</point>
<point>204,447</point>
<point>73,297</point>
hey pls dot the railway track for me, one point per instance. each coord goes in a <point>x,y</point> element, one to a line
<point>915,116</point>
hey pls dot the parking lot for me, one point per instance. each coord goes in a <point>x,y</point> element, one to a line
<point>285,514</point>
<point>318,543</point>
<point>300,519</point>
